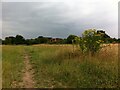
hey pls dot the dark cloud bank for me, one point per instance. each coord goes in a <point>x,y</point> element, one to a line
<point>56,19</point>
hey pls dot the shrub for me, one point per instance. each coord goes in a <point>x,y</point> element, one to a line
<point>90,42</point>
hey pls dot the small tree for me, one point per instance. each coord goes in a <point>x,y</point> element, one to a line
<point>19,40</point>
<point>70,39</point>
<point>90,42</point>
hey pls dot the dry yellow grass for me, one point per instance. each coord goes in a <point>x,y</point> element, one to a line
<point>65,66</point>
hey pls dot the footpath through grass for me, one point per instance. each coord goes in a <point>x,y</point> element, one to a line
<point>59,67</point>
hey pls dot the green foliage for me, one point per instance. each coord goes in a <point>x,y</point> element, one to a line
<point>70,39</point>
<point>90,41</point>
<point>118,40</point>
<point>14,40</point>
<point>19,39</point>
<point>9,40</point>
<point>106,38</point>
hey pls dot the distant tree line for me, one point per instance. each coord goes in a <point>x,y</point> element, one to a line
<point>20,40</point>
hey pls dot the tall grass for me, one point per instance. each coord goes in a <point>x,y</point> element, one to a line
<point>12,64</point>
<point>59,66</point>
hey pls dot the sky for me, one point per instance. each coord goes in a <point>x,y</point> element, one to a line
<point>58,18</point>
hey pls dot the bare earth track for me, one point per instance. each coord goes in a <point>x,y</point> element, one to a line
<point>28,73</point>
<point>27,77</point>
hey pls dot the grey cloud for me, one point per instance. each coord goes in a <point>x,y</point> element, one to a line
<point>54,19</point>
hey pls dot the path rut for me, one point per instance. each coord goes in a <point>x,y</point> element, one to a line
<point>28,81</point>
<point>27,76</point>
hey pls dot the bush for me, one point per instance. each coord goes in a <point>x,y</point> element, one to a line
<point>90,42</point>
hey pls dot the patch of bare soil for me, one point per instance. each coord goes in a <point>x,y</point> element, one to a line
<point>28,81</point>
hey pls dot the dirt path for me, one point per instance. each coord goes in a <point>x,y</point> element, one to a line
<point>28,81</point>
<point>27,76</point>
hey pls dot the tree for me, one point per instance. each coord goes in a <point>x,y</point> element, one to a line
<point>64,41</point>
<point>90,42</point>
<point>70,39</point>
<point>41,40</point>
<point>106,38</point>
<point>9,40</point>
<point>19,40</point>
<point>118,40</point>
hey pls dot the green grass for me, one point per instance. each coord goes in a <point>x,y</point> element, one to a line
<point>12,64</point>
<point>59,67</point>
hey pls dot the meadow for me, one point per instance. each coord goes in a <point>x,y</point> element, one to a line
<point>12,64</point>
<point>61,66</point>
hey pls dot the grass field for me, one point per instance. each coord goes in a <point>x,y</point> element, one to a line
<point>12,64</point>
<point>61,66</point>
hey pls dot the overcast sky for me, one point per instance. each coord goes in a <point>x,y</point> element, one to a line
<point>59,18</point>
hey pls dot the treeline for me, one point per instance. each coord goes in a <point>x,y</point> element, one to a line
<point>19,40</point>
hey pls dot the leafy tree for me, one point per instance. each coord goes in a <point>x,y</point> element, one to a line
<point>90,41</point>
<point>106,38</point>
<point>41,40</point>
<point>118,40</point>
<point>19,40</point>
<point>9,40</point>
<point>70,39</point>
<point>77,40</point>
<point>64,41</point>
<point>30,41</point>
